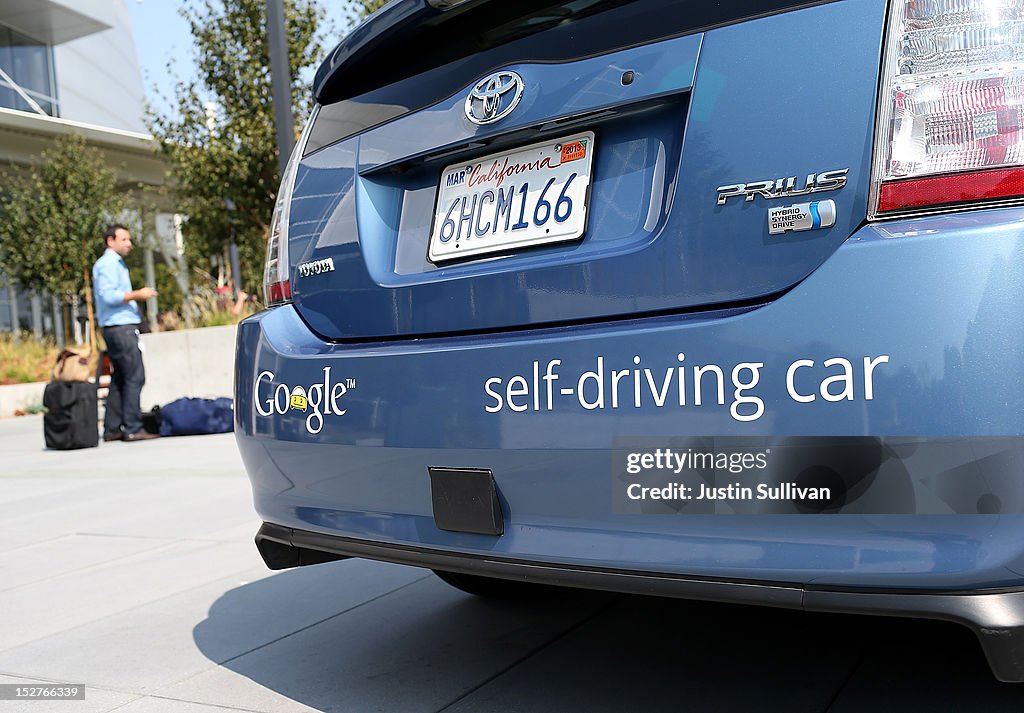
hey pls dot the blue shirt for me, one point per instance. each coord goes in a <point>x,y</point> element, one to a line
<point>110,283</point>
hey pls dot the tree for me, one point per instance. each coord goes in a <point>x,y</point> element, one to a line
<point>221,141</point>
<point>172,272</point>
<point>53,219</point>
<point>360,9</point>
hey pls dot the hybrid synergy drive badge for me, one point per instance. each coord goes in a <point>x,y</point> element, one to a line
<point>802,216</point>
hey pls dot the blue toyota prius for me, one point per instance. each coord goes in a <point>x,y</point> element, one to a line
<point>709,300</point>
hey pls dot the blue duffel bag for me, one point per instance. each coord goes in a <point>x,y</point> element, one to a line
<point>190,417</point>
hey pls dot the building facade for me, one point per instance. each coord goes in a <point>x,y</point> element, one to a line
<point>69,66</point>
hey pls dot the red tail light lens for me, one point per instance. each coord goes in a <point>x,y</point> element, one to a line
<point>276,270</point>
<point>951,107</point>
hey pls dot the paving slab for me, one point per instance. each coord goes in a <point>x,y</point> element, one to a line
<point>18,490</point>
<point>244,531</point>
<point>82,496</point>
<point>38,610</point>
<point>923,667</point>
<point>155,645</point>
<point>153,704</point>
<point>672,655</point>
<point>142,508</point>
<point>67,554</point>
<point>16,538</point>
<point>415,649</point>
<point>96,700</point>
<point>197,511</point>
<point>21,442</point>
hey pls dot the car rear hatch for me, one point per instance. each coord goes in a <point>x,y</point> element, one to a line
<point>720,152</point>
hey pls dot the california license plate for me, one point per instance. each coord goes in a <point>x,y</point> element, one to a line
<point>531,196</point>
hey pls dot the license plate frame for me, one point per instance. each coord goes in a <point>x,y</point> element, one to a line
<point>493,204</point>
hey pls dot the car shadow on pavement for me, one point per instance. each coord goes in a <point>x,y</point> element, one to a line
<point>416,644</point>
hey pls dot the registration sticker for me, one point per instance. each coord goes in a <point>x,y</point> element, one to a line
<point>535,195</point>
<point>574,151</point>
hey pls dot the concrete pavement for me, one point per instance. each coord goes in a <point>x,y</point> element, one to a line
<point>130,568</point>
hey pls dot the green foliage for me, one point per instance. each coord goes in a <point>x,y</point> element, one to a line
<point>360,9</point>
<point>221,142</point>
<point>217,310</point>
<point>23,360</point>
<point>166,284</point>
<point>54,215</point>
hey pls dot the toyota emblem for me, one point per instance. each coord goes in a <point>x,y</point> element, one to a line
<point>494,97</point>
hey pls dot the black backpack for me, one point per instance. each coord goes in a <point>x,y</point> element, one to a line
<point>71,415</point>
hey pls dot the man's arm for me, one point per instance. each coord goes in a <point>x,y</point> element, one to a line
<point>143,293</point>
<point>105,278</point>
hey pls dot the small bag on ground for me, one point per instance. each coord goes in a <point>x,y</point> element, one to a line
<point>71,420</point>
<point>151,420</point>
<point>190,417</point>
<point>72,365</point>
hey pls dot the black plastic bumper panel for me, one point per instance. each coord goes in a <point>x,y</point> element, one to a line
<point>996,617</point>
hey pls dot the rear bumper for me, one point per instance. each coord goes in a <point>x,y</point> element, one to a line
<point>996,617</point>
<point>942,300</point>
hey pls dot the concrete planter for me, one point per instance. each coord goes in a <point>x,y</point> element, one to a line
<point>188,362</point>
<point>20,396</point>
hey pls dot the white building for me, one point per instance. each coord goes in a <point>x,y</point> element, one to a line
<point>69,66</point>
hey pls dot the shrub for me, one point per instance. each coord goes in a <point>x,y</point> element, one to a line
<point>25,359</point>
<point>216,310</point>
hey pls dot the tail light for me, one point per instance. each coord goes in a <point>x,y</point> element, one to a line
<point>277,286</point>
<point>951,110</point>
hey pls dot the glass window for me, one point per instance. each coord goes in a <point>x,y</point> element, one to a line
<point>29,63</point>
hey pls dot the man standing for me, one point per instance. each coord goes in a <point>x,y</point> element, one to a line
<point>118,315</point>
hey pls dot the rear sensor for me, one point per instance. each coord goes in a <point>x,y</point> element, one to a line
<point>465,500</point>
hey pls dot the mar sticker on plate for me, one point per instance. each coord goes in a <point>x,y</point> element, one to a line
<point>534,195</point>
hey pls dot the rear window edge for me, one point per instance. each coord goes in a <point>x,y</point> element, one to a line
<point>398,98</point>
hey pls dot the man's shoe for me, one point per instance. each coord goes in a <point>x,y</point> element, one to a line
<point>114,436</point>
<point>140,436</point>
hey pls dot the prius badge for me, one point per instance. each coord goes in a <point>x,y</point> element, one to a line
<point>784,187</point>
<point>494,97</point>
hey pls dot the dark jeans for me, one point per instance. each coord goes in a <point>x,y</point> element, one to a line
<point>127,375</point>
